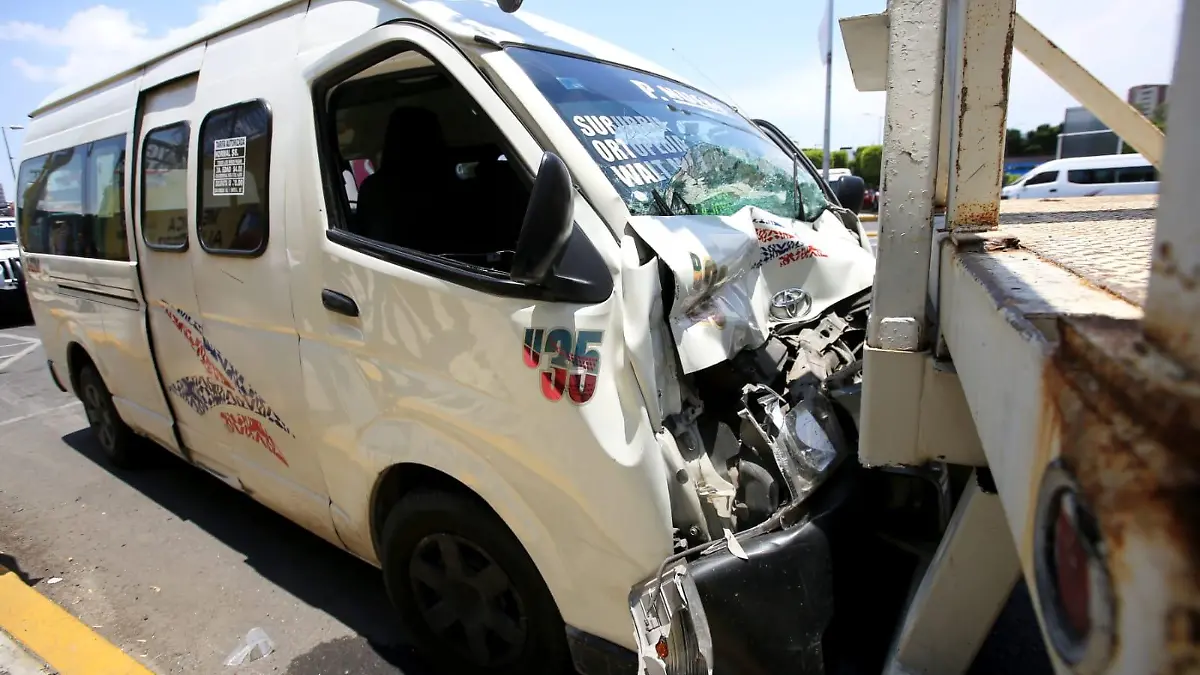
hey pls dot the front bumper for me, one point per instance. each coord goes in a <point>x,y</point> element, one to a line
<point>819,597</point>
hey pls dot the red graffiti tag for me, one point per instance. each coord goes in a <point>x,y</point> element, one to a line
<point>802,253</point>
<point>252,429</point>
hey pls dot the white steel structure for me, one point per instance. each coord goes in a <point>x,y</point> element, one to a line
<point>1041,345</point>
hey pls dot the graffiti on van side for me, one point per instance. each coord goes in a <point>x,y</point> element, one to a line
<point>222,385</point>
<point>574,361</point>
<point>251,428</point>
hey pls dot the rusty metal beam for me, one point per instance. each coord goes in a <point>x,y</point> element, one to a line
<point>1173,301</point>
<point>982,56</point>
<point>1121,117</point>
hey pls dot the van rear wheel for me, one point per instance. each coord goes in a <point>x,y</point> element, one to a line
<point>467,590</point>
<point>116,439</point>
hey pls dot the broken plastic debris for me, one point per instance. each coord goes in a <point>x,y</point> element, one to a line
<point>256,646</point>
<point>735,547</point>
<point>53,580</point>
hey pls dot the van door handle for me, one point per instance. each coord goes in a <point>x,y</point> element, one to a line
<point>1053,189</point>
<point>339,302</point>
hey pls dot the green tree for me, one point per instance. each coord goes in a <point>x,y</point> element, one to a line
<point>838,159</point>
<point>815,155</point>
<point>1014,143</point>
<point>869,164</point>
<point>1043,140</point>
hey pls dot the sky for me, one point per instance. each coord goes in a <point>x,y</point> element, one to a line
<point>762,55</point>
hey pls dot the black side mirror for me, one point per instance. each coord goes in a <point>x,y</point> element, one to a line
<point>510,6</point>
<point>549,220</point>
<point>850,191</point>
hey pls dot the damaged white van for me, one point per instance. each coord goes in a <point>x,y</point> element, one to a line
<point>567,347</point>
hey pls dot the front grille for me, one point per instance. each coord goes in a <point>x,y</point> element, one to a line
<point>10,270</point>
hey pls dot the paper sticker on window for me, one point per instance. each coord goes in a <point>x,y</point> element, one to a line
<point>229,166</point>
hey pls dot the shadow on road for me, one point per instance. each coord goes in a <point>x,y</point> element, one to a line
<point>10,563</point>
<point>290,557</point>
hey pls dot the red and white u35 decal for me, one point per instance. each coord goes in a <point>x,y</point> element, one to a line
<point>572,361</point>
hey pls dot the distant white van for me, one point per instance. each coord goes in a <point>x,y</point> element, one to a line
<point>1086,177</point>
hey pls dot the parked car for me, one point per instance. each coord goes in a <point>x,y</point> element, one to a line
<point>12,281</point>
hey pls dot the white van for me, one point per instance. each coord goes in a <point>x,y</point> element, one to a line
<point>1086,177</point>
<point>566,346</point>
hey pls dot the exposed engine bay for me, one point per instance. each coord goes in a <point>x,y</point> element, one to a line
<point>765,428</point>
<point>768,317</point>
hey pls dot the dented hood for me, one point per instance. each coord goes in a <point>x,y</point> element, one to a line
<point>726,269</point>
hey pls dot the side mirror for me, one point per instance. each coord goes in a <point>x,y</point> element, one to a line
<point>510,6</point>
<point>850,191</point>
<point>549,220</point>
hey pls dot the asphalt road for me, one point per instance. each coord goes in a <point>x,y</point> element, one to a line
<point>167,562</point>
<point>175,567</point>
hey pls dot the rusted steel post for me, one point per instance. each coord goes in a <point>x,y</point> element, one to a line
<point>982,60</point>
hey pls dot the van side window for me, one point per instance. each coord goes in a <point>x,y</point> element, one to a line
<point>1137,174</point>
<point>72,202</point>
<point>104,211</point>
<point>235,157</point>
<point>1091,176</point>
<point>164,187</point>
<point>420,167</point>
<point>59,209</point>
<point>1043,177</point>
<point>31,230</point>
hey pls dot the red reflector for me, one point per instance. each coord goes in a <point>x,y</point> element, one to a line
<point>660,648</point>
<point>1071,572</point>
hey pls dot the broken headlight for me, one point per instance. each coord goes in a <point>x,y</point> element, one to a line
<point>806,441</point>
<point>670,626</point>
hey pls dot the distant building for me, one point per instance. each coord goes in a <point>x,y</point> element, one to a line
<point>1084,135</point>
<point>3,201</point>
<point>1147,97</point>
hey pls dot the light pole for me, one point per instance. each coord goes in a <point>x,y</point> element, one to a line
<point>11,167</point>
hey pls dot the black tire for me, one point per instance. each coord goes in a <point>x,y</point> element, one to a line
<point>120,444</point>
<point>497,598</point>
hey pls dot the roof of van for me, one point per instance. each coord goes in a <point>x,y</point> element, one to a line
<point>461,19</point>
<point>1095,161</point>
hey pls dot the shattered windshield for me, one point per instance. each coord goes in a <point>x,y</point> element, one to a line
<point>669,149</point>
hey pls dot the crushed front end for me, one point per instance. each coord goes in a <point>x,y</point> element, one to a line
<point>789,556</point>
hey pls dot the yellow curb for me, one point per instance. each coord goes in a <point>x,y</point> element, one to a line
<point>868,217</point>
<point>56,637</point>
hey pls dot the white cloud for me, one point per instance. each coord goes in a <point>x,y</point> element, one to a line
<point>101,39</point>
<point>1121,43</point>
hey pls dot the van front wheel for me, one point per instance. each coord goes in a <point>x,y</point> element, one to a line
<point>467,590</point>
<point>116,439</point>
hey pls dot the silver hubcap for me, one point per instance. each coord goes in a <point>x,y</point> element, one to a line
<point>467,599</point>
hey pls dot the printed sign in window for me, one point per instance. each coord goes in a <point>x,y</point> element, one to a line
<point>229,166</point>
